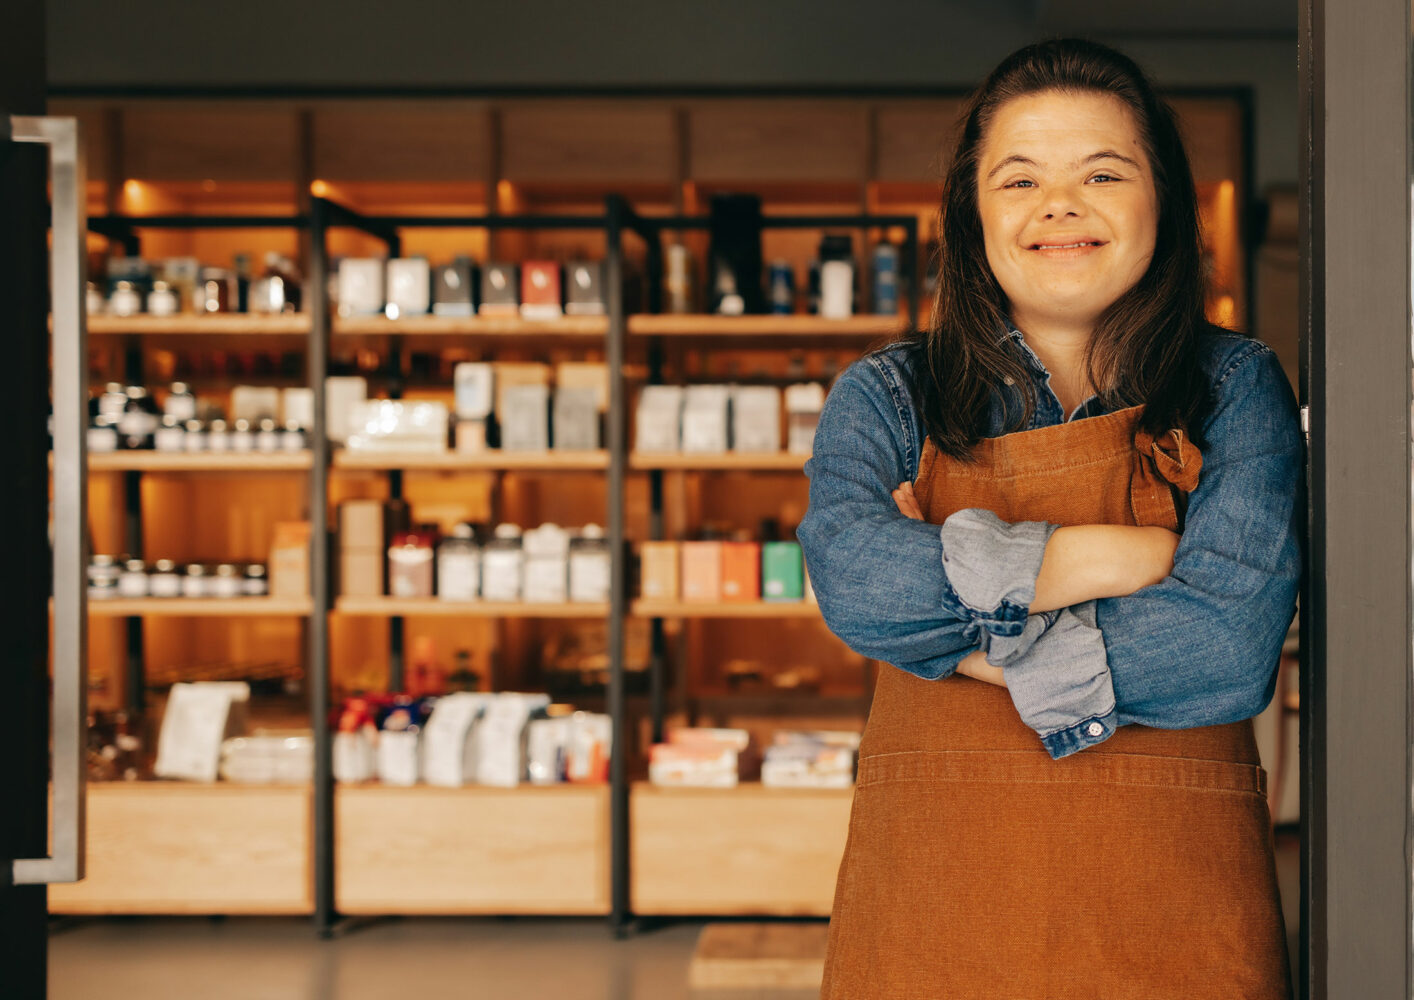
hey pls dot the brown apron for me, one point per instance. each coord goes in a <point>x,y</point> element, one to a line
<point>977,867</point>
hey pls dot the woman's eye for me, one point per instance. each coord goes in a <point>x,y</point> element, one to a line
<point>1104,177</point>
<point>1017,184</point>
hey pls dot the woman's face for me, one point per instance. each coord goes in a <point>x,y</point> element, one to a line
<point>1068,206</point>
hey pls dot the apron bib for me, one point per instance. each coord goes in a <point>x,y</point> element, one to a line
<point>978,867</point>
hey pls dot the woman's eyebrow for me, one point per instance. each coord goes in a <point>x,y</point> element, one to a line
<point>1110,154</point>
<point>1013,158</point>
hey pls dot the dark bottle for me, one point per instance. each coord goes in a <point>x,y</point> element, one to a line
<point>140,419</point>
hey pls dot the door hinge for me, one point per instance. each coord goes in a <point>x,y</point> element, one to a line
<point>1306,424</point>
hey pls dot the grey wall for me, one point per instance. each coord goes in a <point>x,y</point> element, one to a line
<point>166,46</point>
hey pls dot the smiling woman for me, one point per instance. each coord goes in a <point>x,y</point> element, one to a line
<point>1066,515</point>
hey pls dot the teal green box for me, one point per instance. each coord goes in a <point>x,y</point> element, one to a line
<point>782,572</point>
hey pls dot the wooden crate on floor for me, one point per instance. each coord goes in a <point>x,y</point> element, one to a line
<point>759,956</point>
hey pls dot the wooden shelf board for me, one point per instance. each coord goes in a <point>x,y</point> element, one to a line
<point>495,460</point>
<point>193,324</point>
<point>191,607</point>
<point>162,461</point>
<point>768,461</point>
<point>404,607</point>
<point>487,326</point>
<point>752,326</point>
<point>642,608</point>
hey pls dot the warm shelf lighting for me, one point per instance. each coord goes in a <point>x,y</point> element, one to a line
<point>208,185</point>
<point>319,189</point>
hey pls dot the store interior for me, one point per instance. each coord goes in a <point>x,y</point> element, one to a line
<point>444,595</point>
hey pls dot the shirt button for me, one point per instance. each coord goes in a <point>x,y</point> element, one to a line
<point>1094,729</point>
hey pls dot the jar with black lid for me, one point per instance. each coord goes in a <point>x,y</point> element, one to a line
<point>103,573</point>
<point>194,583</point>
<point>255,584</point>
<point>140,419</point>
<point>132,582</point>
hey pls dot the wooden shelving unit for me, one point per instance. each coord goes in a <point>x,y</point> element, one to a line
<point>194,324</point>
<point>642,608</point>
<point>471,326</point>
<point>201,607</point>
<point>161,461</point>
<point>407,607</point>
<point>486,461</point>
<point>730,461</point>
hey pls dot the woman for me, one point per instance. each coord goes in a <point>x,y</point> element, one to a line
<point>1067,516</point>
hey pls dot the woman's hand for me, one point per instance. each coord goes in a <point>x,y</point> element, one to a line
<point>975,665</point>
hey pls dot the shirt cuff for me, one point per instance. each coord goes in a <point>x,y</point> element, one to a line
<point>990,568</point>
<point>1060,682</point>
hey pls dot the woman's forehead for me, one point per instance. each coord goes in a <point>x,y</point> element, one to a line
<point>1060,129</point>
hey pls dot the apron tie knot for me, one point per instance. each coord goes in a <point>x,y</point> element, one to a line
<point>1175,457</point>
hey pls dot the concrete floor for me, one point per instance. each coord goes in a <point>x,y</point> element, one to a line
<point>514,959</point>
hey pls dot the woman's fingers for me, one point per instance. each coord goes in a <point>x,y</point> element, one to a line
<point>907,502</point>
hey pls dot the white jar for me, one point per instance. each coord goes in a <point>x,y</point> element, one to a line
<point>170,436</point>
<point>227,582</point>
<point>164,580</point>
<point>133,581</point>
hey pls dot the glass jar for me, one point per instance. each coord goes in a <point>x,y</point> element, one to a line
<point>226,583</point>
<point>126,300</point>
<point>93,299</point>
<point>163,300</point>
<point>139,421</point>
<point>255,583</point>
<point>103,435</point>
<point>459,565</point>
<point>213,291</point>
<point>217,437</point>
<point>267,439</point>
<point>111,401</point>
<point>503,565</point>
<point>180,402</point>
<point>242,439</point>
<point>410,563</point>
<point>590,565</point>
<point>195,439</point>
<point>293,438</point>
<point>103,573</point>
<point>164,580</point>
<point>170,436</point>
<point>132,582</point>
<point>194,583</point>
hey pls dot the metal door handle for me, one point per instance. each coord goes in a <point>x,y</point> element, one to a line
<point>70,367</point>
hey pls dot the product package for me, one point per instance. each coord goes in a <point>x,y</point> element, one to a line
<point>540,293</point>
<point>584,288</point>
<point>590,746</point>
<point>398,425</point>
<point>500,737</point>
<point>409,287</point>
<point>803,405</point>
<point>269,757</point>
<point>448,743</point>
<point>355,755</point>
<point>782,571</point>
<point>658,426</point>
<point>474,384</point>
<point>756,418</point>
<point>289,560</point>
<point>341,394</point>
<point>198,719</point>
<point>525,418</point>
<point>500,290</point>
<point>254,403</point>
<point>658,571</point>
<point>590,565</point>
<point>297,407</point>
<point>576,419</point>
<point>546,564</point>
<point>701,571</point>
<point>503,565</point>
<point>459,565</point>
<point>399,756</point>
<point>361,548</point>
<point>547,744</point>
<point>704,419</point>
<point>698,758</point>
<point>454,288</point>
<point>741,571</point>
<point>361,288</point>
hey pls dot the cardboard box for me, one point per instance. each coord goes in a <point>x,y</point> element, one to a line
<point>741,571</point>
<point>701,571</point>
<point>454,288</point>
<point>500,290</point>
<point>409,287</point>
<point>576,419</point>
<point>513,373</point>
<point>361,288</point>
<point>585,375</point>
<point>658,571</point>
<point>584,288</point>
<point>525,418</point>
<point>289,560</point>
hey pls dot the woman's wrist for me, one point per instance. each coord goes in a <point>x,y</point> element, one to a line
<point>1090,561</point>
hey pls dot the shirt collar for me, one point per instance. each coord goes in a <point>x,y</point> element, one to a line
<point>1028,355</point>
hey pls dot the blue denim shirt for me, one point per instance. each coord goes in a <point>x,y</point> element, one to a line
<point>1199,648</point>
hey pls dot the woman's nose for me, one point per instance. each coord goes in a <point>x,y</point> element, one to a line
<point>1061,202</point>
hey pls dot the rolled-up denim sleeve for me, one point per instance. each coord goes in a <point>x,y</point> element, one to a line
<point>917,595</point>
<point>1200,647</point>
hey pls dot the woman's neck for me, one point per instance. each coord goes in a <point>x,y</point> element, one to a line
<point>1061,348</point>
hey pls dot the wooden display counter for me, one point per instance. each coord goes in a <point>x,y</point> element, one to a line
<point>746,850</point>
<point>173,847</point>
<point>428,850</point>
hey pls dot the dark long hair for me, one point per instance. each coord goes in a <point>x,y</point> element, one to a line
<point>1144,349</point>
